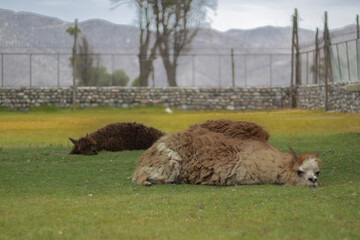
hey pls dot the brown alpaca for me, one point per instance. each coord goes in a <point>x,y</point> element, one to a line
<point>116,137</point>
<point>223,152</point>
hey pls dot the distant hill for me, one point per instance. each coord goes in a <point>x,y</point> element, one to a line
<point>269,36</point>
<point>22,29</point>
<point>22,32</point>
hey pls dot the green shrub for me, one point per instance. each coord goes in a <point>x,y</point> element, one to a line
<point>136,82</point>
<point>120,78</point>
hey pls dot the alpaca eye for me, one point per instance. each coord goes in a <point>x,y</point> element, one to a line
<point>299,172</point>
<point>317,173</point>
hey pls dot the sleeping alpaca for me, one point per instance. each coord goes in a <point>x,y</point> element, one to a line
<point>116,137</point>
<point>223,152</point>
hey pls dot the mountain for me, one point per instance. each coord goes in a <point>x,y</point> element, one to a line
<point>269,36</point>
<point>20,29</point>
<point>29,30</point>
<point>207,62</point>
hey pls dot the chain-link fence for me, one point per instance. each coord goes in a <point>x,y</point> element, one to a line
<point>40,69</point>
<point>344,58</point>
<point>268,67</point>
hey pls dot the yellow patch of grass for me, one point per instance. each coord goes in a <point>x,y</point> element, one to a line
<point>44,128</point>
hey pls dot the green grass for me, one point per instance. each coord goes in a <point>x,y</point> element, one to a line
<point>47,194</point>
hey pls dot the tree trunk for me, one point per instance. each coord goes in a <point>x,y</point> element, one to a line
<point>171,75</point>
<point>146,68</point>
<point>316,58</point>
<point>169,67</point>
<point>144,71</point>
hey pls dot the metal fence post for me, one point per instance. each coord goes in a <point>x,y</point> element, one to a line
<point>112,69</point>
<point>339,65</point>
<point>270,63</point>
<point>357,59</point>
<point>2,70</point>
<point>232,67</point>
<point>30,70</point>
<point>307,67</point>
<point>348,62</point>
<point>219,70</point>
<point>245,71</point>
<point>193,69</point>
<point>58,69</point>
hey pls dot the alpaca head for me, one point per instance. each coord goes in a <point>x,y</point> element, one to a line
<point>307,167</point>
<point>85,145</point>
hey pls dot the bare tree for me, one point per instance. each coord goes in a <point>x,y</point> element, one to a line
<point>177,23</point>
<point>147,41</point>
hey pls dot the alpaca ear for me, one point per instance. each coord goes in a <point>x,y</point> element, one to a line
<point>293,154</point>
<point>73,141</point>
<point>317,154</point>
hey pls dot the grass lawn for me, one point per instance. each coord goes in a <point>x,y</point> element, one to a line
<point>46,194</point>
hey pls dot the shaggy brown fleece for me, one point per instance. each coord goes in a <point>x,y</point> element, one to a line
<point>223,152</point>
<point>117,137</point>
<point>235,129</point>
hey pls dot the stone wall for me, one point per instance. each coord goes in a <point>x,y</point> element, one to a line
<point>124,97</point>
<point>340,98</point>
<point>234,99</point>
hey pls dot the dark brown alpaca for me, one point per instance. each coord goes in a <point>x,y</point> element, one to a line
<point>116,137</point>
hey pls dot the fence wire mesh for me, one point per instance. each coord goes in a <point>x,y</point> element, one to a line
<point>345,63</point>
<point>53,69</point>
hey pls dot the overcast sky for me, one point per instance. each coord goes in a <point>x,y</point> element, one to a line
<point>242,14</point>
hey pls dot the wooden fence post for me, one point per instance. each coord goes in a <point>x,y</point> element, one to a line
<point>232,67</point>
<point>294,45</point>
<point>316,58</point>
<point>292,70</point>
<point>297,55</point>
<point>74,64</point>
<point>327,43</point>
<point>357,47</point>
<point>357,27</point>
<point>2,69</point>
